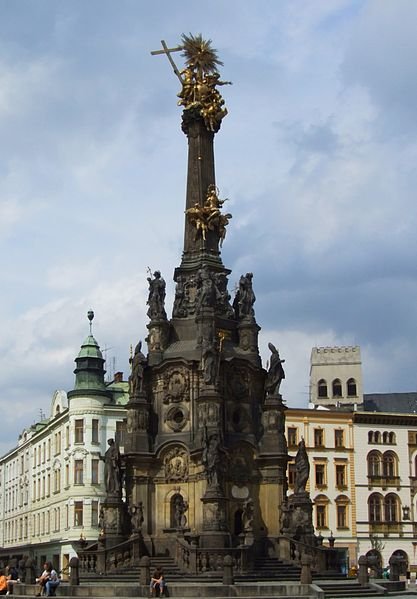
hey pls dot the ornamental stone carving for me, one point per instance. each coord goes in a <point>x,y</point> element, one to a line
<point>176,417</point>
<point>176,386</point>
<point>176,464</point>
<point>208,413</point>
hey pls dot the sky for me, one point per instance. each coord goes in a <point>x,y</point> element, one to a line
<point>318,157</point>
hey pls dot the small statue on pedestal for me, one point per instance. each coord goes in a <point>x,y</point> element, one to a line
<point>302,469</point>
<point>156,297</point>
<point>275,373</point>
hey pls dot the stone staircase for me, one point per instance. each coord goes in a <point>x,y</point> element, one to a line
<point>350,589</point>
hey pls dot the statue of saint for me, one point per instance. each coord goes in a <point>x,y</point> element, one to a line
<point>180,507</point>
<point>156,297</point>
<point>247,516</point>
<point>209,364</point>
<point>275,373</point>
<point>212,458</point>
<point>136,517</point>
<point>245,298</point>
<point>206,294</point>
<point>112,472</point>
<point>138,363</point>
<point>302,468</point>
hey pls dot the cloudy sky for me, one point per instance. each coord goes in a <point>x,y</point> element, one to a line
<point>318,156</point>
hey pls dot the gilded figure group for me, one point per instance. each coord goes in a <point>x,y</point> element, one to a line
<point>209,216</point>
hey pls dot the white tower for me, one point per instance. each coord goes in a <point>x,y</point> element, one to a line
<point>336,376</point>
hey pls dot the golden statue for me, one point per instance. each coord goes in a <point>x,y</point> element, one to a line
<point>199,79</point>
<point>209,217</point>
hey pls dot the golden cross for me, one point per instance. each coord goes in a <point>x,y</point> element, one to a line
<point>167,51</point>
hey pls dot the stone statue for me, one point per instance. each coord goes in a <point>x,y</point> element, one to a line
<point>222,295</point>
<point>302,469</point>
<point>275,373</point>
<point>101,520</point>
<point>245,298</point>
<point>206,293</point>
<point>180,507</point>
<point>178,309</point>
<point>209,365</point>
<point>138,363</point>
<point>112,472</point>
<point>156,297</point>
<point>212,458</point>
<point>247,516</point>
<point>136,517</point>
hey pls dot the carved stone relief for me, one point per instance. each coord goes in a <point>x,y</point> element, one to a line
<point>176,385</point>
<point>208,413</point>
<point>176,464</point>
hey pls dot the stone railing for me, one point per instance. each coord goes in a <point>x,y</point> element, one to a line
<point>96,559</point>
<point>322,558</point>
<point>198,560</point>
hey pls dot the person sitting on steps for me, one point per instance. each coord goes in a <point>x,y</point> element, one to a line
<point>157,584</point>
<point>43,578</point>
<point>52,583</point>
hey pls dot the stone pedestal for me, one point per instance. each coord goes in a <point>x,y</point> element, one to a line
<point>298,518</point>
<point>157,340</point>
<point>215,533</point>
<point>137,439</point>
<point>114,519</point>
<point>248,337</point>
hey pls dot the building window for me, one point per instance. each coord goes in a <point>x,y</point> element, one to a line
<point>292,436</point>
<point>94,431</point>
<point>351,388</point>
<point>341,475</point>
<point>339,438</point>
<point>391,508</point>
<point>58,443</point>
<point>67,436</point>
<point>374,505</point>
<point>322,388</point>
<point>94,513</point>
<point>318,437</point>
<point>291,474</point>
<point>120,433</point>
<point>78,472</point>
<point>79,431</point>
<point>341,511</point>
<point>337,388</point>
<point>374,464</point>
<point>321,503</point>
<point>78,513</point>
<point>57,481</point>
<point>320,472</point>
<point>389,469</point>
<point>94,471</point>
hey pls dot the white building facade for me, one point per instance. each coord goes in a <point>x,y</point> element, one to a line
<point>52,483</point>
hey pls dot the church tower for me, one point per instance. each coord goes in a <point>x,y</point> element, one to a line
<point>205,453</point>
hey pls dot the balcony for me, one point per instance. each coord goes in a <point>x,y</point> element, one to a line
<point>384,481</point>
<point>386,528</point>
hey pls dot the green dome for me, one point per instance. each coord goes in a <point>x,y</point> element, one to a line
<point>89,371</point>
<point>90,349</point>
